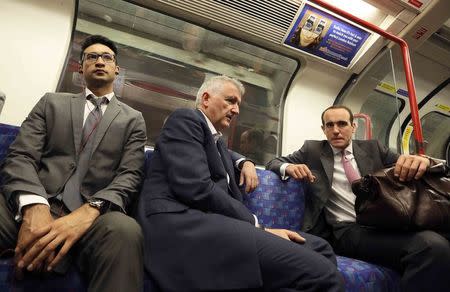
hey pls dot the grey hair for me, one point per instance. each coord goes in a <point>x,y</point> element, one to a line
<point>214,84</point>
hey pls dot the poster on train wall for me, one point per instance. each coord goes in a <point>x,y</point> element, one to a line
<point>320,34</point>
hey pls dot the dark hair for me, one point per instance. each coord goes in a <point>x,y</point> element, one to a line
<point>338,106</point>
<point>256,136</point>
<point>98,39</point>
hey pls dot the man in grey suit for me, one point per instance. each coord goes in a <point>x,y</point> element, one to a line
<point>198,234</point>
<point>330,166</point>
<point>70,176</point>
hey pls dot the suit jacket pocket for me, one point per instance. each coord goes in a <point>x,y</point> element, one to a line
<point>162,205</point>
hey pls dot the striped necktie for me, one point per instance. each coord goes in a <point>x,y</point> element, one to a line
<point>72,195</point>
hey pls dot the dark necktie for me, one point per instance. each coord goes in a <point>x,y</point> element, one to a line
<point>350,171</point>
<point>71,195</point>
<point>228,166</point>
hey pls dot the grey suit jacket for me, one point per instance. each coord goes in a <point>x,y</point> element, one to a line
<point>318,156</point>
<point>45,152</point>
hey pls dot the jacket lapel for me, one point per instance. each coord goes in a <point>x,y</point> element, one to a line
<point>228,165</point>
<point>363,160</point>
<point>112,110</point>
<point>77,105</point>
<point>327,159</point>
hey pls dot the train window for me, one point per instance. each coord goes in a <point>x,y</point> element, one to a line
<point>374,93</point>
<point>436,133</point>
<point>382,109</point>
<point>164,60</point>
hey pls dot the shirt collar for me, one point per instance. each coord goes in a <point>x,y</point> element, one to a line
<point>348,149</point>
<point>109,96</point>
<point>216,134</point>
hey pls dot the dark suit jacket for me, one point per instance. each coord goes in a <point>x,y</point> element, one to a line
<point>318,156</point>
<point>191,217</point>
<point>45,152</point>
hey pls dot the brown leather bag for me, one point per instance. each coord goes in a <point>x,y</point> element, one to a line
<point>382,201</point>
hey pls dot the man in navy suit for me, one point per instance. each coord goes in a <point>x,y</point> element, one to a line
<point>198,235</point>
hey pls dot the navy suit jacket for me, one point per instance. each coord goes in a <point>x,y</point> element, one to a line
<point>194,221</point>
<point>186,171</point>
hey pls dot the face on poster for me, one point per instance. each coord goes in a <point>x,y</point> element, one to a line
<point>325,36</point>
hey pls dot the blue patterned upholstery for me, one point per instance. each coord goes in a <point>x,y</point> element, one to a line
<point>7,135</point>
<point>360,276</point>
<point>280,204</point>
<point>276,203</point>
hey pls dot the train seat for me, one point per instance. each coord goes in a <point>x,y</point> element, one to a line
<point>278,204</point>
<point>281,204</point>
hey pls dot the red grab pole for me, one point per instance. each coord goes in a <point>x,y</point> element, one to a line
<point>406,65</point>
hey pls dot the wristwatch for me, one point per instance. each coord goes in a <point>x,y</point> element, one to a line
<point>101,205</point>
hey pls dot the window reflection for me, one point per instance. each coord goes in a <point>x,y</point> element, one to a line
<point>436,135</point>
<point>164,61</point>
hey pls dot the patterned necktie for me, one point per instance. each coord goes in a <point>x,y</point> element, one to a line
<point>350,172</point>
<point>71,195</point>
<point>92,120</point>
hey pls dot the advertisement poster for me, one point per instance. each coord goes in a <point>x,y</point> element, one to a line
<point>320,34</point>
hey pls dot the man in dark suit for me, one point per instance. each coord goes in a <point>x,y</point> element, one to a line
<point>423,257</point>
<point>74,168</point>
<point>198,234</point>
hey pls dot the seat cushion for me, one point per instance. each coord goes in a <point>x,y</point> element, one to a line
<point>277,203</point>
<point>8,134</point>
<point>361,276</point>
<point>71,281</point>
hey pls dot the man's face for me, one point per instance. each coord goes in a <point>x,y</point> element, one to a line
<point>221,106</point>
<point>99,71</point>
<point>337,127</point>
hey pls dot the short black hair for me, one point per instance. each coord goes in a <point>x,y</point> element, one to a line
<point>338,106</point>
<point>98,39</point>
<point>255,136</point>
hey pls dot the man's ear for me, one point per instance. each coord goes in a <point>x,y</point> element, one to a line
<point>80,68</point>
<point>116,71</point>
<point>205,99</point>
<point>354,127</point>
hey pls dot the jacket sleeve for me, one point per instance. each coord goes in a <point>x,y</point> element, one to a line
<point>21,166</point>
<point>124,187</point>
<point>182,149</point>
<point>298,157</point>
<point>388,157</point>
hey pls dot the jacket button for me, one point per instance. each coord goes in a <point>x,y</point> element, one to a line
<point>72,165</point>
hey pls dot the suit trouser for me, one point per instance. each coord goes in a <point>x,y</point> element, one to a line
<point>422,257</point>
<point>109,254</point>
<point>287,266</point>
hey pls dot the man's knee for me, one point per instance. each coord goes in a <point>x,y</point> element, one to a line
<point>434,246</point>
<point>118,227</point>
<point>320,246</point>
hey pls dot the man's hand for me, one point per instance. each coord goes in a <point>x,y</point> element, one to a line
<point>299,172</point>
<point>35,224</point>
<point>411,166</point>
<point>287,234</point>
<point>249,177</point>
<point>61,235</point>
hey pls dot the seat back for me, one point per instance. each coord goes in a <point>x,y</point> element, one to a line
<point>277,203</point>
